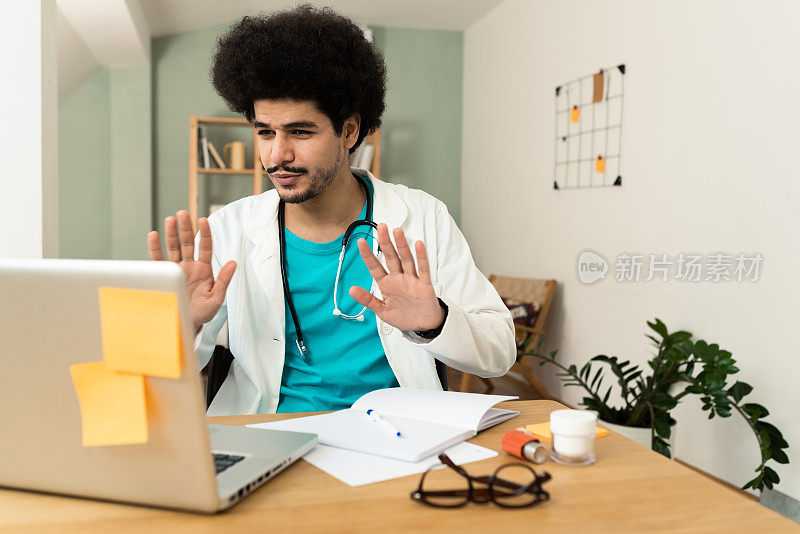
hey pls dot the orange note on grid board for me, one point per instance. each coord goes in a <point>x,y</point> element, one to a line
<point>141,331</point>
<point>575,114</point>
<point>599,81</point>
<point>600,164</point>
<point>542,430</point>
<point>113,408</point>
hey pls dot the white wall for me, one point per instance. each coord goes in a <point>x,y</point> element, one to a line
<point>75,61</point>
<point>710,164</point>
<point>29,137</point>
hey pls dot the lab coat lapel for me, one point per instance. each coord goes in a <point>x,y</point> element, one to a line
<point>261,229</point>
<point>387,206</point>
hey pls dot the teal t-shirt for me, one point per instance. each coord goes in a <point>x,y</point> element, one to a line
<point>344,358</point>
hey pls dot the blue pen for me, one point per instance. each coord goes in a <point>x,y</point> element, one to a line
<point>384,423</point>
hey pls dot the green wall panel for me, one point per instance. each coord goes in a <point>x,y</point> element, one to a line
<point>421,135</point>
<point>131,162</point>
<point>84,167</point>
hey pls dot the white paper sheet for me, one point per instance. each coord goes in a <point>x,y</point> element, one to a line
<point>358,468</point>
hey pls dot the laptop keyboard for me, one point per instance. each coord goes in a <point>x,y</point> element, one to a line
<point>224,461</point>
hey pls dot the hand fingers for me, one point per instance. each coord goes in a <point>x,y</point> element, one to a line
<point>185,235</point>
<point>406,259</point>
<point>171,234</point>
<point>154,246</point>
<point>223,279</point>
<point>365,298</point>
<point>422,263</point>
<point>205,246</point>
<point>392,259</point>
<point>375,268</point>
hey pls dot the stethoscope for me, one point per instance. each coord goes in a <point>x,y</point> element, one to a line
<point>347,234</point>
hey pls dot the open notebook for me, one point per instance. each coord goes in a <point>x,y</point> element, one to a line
<point>429,421</point>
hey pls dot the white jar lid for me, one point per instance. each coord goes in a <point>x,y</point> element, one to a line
<point>578,423</point>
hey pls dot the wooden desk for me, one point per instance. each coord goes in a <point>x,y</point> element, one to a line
<point>629,489</point>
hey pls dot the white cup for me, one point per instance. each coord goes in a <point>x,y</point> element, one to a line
<point>573,436</point>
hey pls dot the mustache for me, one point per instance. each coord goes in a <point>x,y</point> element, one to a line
<point>285,168</point>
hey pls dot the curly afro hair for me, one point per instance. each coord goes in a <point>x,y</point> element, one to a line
<point>302,54</point>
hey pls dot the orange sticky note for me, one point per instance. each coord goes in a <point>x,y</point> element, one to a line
<point>113,410</point>
<point>600,164</point>
<point>575,114</point>
<point>141,331</point>
<point>542,430</point>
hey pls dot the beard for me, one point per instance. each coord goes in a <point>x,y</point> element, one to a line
<point>318,180</point>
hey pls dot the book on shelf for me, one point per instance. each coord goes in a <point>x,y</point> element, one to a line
<point>214,154</point>
<point>204,157</point>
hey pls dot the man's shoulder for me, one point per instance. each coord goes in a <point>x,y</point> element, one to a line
<point>239,210</point>
<point>416,198</point>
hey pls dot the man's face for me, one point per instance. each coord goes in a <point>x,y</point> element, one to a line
<point>299,147</point>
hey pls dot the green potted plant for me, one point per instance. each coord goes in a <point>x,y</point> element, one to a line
<point>680,366</point>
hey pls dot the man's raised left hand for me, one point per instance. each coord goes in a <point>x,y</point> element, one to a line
<point>409,300</point>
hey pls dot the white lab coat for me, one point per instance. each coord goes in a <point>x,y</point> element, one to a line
<point>478,335</point>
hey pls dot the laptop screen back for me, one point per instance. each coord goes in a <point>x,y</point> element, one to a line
<point>50,319</point>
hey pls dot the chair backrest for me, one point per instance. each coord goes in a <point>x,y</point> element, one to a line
<point>536,290</point>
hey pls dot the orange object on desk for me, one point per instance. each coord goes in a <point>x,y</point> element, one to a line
<point>542,431</point>
<point>522,444</point>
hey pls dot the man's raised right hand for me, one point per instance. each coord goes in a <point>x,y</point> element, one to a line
<point>205,294</point>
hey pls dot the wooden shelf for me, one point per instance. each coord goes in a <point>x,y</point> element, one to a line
<point>223,121</point>
<point>245,172</point>
<point>256,171</point>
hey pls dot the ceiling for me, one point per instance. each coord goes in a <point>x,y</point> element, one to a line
<point>174,16</point>
<point>116,33</point>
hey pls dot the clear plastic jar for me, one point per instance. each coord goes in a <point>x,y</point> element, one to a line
<point>573,436</point>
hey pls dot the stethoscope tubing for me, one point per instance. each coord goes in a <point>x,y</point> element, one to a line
<point>287,295</point>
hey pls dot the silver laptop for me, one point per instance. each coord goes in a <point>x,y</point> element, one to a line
<point>49,320</point>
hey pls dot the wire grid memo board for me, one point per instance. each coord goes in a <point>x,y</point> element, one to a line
<point>588,131</point>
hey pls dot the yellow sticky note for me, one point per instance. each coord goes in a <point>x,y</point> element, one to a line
<point>575,114</point>
<point>141,331</point>
<point>113,410</point>
<point>600,164</point>
<point>542,430</point>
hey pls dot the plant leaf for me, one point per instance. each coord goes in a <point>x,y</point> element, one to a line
<point>661,446</point>
<point>597,376</point>
<point>771,429</point>
<point>780,456</point>
<point>771,476</point>
<point>659,327</point>
<point>755,411</point>
<point>739,390</point>
<point>662,426</point>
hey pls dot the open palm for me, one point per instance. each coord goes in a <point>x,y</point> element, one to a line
<point>409,301</point>
<point>206,295</point>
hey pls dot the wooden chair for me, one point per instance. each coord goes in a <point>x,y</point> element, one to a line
<point>525,290</point>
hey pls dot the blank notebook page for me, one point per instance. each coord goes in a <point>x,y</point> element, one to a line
<point>452,408</point>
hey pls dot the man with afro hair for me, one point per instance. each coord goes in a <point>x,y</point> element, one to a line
<point>267,275</point>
